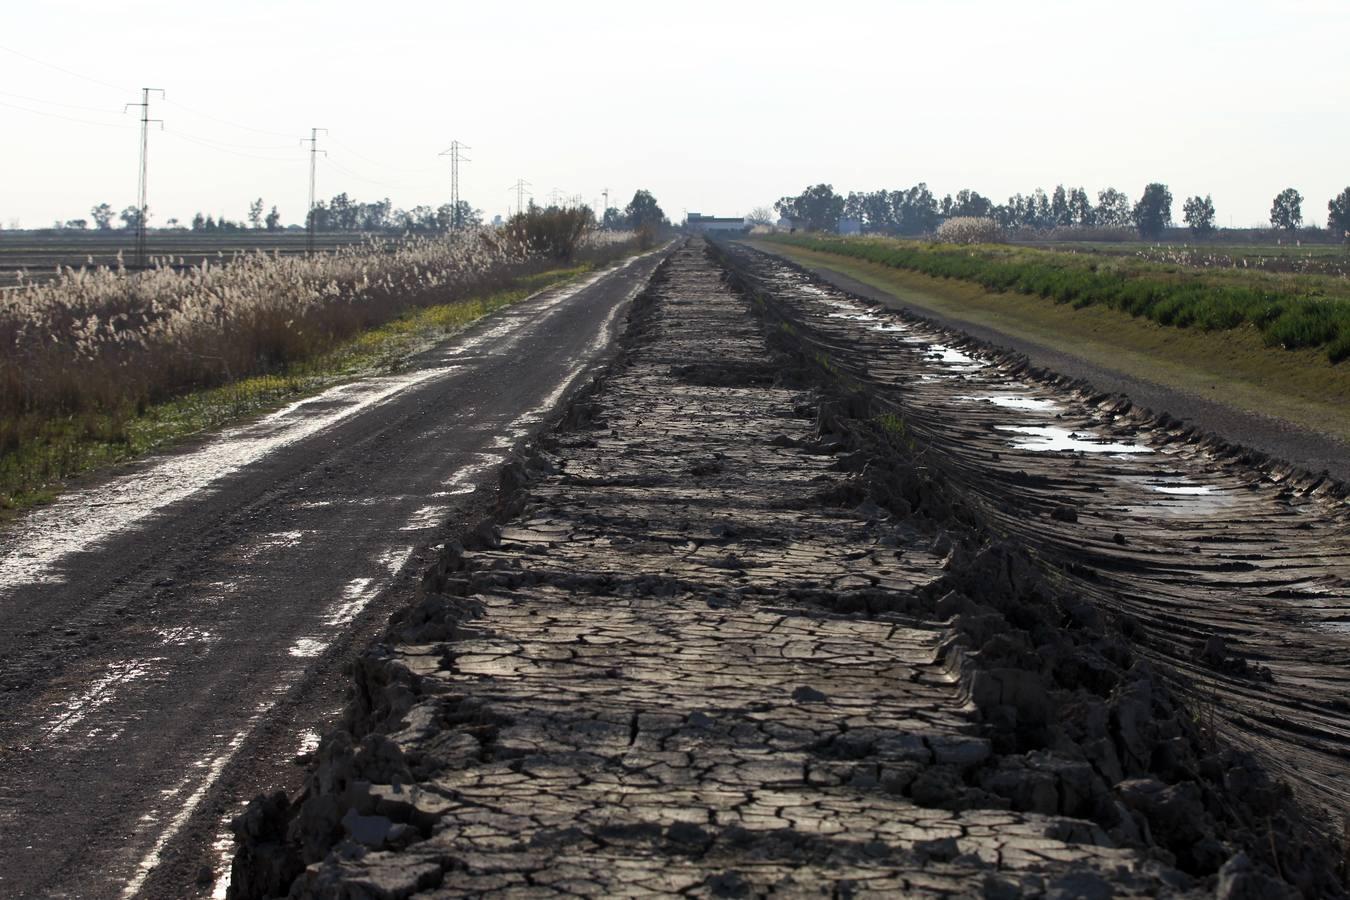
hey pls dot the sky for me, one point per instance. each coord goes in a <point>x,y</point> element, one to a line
<point>715,107</point>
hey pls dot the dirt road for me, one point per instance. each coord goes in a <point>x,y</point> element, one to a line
<point>171,638</point>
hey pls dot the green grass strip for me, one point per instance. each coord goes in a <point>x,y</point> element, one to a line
<point>1290,311</point>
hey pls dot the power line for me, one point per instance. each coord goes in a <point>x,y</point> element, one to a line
<point>519,188</point>
<point>97,109</point>
<point>215,118</point>
<point>116,87</point>
<point>212,145</point>
<point>375,162</point>
<point>455,159</point>
<point>143,208</point>
<point>313,161</point>
<point>359,177</point>
<point>52,115</point>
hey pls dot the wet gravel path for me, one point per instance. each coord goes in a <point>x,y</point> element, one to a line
<point>648,680</point>
<point>1237,573</point>
<point>173,636</point>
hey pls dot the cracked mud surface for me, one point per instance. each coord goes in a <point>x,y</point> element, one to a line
<point>1236,572</point>
<point>692,661</point>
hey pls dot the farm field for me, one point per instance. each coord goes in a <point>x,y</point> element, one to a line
<point>38,253</point>
<point>1292,257</point>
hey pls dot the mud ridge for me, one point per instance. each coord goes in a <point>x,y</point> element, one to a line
<point>731,632</point>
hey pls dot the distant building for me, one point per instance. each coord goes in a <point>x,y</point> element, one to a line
<point>698,222</point>
<point>850,226</point>
<point>497,221</point>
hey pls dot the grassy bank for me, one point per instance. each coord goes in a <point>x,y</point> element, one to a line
<point>1290,311</point>
<point>56,448</point>
<point>1234,367</point>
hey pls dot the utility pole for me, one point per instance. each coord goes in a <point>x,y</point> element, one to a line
<point>455,159</point>
<point>519,187</point>
<point>314,152</point>
<point>142,207</point>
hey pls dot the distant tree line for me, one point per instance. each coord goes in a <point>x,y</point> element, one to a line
<point>917,210</point>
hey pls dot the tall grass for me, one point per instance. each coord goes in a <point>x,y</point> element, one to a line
<point>1290,311</point>
<point>86,354</point>
<point>101,338</point>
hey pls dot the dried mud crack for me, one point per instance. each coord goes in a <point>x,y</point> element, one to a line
<point>736,633</point>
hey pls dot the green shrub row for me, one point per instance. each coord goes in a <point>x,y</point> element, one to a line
<point>1285,317</point>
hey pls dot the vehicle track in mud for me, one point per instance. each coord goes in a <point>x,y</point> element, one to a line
<point>694,656</point>
<point>1276,437</point>
<point>172,637</point>
<point>1232,566</point>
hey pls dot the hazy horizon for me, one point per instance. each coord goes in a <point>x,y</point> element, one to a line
<point>715,108</point>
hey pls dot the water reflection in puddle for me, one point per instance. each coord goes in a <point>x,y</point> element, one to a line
<point>1183,490</point>
<point>1051,438</point>
<point>1008,401</point>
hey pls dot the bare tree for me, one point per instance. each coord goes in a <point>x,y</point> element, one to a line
<point>760,215</point>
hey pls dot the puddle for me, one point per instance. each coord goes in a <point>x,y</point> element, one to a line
<point>1051,438</point>
<point>1195,490</point>
<point>1007,401</point>
<point>953,358</point>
